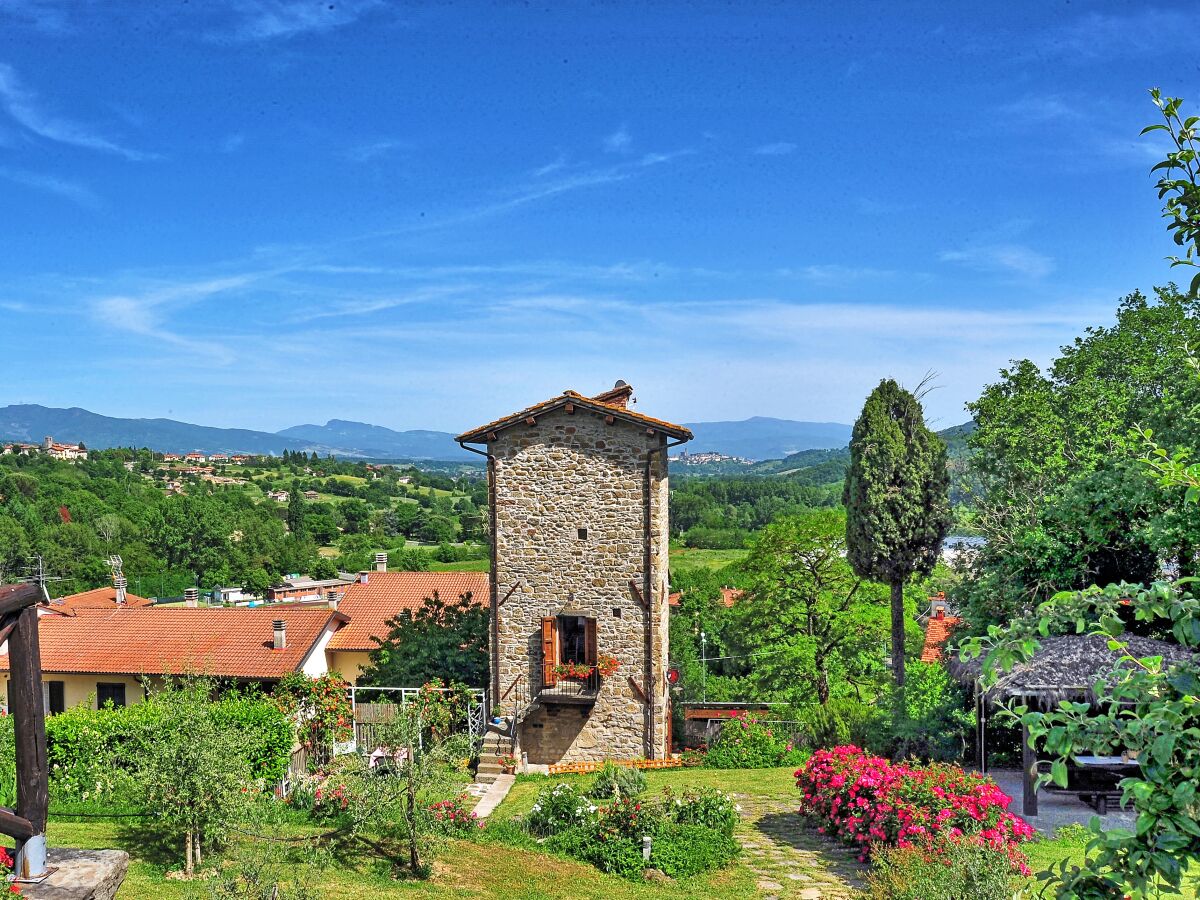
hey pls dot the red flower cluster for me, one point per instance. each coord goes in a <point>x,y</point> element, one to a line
<point>337,796</point>
<point>867,801</point>
<point>453,815</point>
<point>6,866</point>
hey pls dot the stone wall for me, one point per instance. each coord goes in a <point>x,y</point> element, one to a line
<point>565,473</point>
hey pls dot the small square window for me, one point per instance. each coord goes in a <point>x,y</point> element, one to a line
<point>616,612</point>
<point>583,534</point>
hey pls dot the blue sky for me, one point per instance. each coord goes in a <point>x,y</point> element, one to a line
<point>258,213</point>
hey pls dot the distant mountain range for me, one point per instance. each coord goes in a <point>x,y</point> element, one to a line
<point>781,444</point>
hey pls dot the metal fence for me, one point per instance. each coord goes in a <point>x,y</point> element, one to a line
<point>373,707</point>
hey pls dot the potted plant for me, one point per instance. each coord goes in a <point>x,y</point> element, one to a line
<point>607,665</point>
<point>576,671</point>
<point>508,763</point>
<point>498,712</point>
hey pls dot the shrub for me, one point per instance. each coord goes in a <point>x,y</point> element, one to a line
<point>746,742</point>
<point>871,803</point>
<point>704,806</point>
<point>680,850</point>
<point>615,854</point>
<point>936,720</point>
<point>454,817</point>
<point>559,807</point>
<point>615,782</point>
<point>947,870</point>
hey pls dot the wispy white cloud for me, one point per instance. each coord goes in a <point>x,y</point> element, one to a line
<point>25,109</point>
<point>1011,258</point>
<point>258,20</point>
<point>778,148</point>
<point>73,191</point>
<point>620,141</point>
<point>361,153</point>
<point>1039,109</point>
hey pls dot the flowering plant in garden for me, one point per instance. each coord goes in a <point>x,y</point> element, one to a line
<point>747,742</point>
<point>508,761</point>
<point>452,816</point>
<point>320,707</point>
<point>607,665</point>
<point>869,802</point>
<point>577,671</point>
<point>6,867</point>
<point>560,807</point>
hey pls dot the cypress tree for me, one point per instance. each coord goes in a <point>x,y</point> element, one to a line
<point>295,510</point>
<point>896,497</point>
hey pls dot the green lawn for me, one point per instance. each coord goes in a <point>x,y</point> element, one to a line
<point>687,559</point>
<point>467,565</point>
<point>488,868</point>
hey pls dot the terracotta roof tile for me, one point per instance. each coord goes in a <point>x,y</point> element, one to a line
<point>479,435</point>
<point>729,596</point>
<point>937,632</point>
<point>223,642</point>
<point>97,598</point>
<point>384,594</point>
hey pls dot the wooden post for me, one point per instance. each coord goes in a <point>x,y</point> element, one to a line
<point>29,723</point>
<point>1029,774</point>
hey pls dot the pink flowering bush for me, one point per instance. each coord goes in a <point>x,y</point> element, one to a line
<point>453,816</point>
<point>870,803</point>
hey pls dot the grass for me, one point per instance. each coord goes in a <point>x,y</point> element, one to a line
<point>687,559</point>
<point>507,865</point>
<point>467,565</point>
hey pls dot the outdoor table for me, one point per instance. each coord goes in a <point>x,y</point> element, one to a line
<point>1096,779</point>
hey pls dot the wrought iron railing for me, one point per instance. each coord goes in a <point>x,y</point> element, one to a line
<point>569,687</point>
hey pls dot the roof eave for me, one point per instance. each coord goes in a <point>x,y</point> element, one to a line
<point>480,435</point>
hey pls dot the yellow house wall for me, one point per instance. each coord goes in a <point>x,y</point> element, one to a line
<point>349,663</point>
<point>79,689</point>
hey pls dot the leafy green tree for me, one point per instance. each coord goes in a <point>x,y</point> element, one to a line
<point>322,569</point>
<point>257,582</point>
<point>356,516</point>
<point>440,639</point>
<point>807,618</point>
<point>1180,181</point>
<point>896,498</point>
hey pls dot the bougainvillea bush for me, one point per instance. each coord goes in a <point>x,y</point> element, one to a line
<point>871,803</point>
<point>747,742</point>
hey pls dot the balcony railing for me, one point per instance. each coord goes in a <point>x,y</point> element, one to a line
<point>556,688</point>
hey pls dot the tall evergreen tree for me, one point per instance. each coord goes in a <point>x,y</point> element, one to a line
<point>896,497</point>
<point>295,510</point>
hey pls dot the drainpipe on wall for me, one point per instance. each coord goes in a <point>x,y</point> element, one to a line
<point>649,596</point>
<point>495,635</point>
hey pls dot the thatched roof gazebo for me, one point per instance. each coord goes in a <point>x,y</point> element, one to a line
<point>1064,667</point>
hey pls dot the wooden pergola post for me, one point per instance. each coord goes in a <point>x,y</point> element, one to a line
<point>1029,774</point>
<point>27,824</point>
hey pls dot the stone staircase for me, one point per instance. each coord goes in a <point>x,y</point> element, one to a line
<point>496,743</point>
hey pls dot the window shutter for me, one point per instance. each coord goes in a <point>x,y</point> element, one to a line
<point>549,650</point>
<point>590,646</point>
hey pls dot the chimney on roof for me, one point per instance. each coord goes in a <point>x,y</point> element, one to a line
<point>280,634</point>
<point>121,586</point>
<point>332,598</point>
<point>191,597</point>
<point>380,562</point>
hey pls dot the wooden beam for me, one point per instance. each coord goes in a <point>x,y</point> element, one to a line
<point>7,624</point>
<point>570,408</point>
<point>492,436</point>
<point>608,420</point>
<point>29,720</point>
<point>637,689</point>
<point>500,603</point>
<point>14,825</point>
<point>15,597</point>
<point>637,593</point>
<point>530,420</point>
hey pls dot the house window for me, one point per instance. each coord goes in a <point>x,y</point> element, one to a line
<point>54,696</point>
<point>109,693</point>
<point>583,534</point>
<point>567,639</point>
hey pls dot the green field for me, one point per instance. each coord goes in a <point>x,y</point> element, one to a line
<point>686,559</point>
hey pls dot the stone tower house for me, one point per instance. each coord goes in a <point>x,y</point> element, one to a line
<point>579,575</point>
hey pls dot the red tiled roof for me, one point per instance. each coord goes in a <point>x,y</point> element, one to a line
<point>223,642</point>
<point>937,632</point>
<point>604,404</point>
<point>97,598</point>
<point>385,594</point>
<point>729,596</point>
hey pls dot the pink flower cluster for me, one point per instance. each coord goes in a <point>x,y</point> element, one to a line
<point>867,801</point>
<point>454,815</point>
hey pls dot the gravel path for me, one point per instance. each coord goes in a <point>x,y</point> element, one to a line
<point>790,859</point>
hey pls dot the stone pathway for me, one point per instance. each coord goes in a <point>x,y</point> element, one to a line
<point>495,793</point>
<point>791,860</point>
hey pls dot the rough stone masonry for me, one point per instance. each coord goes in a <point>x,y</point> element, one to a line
<point>580,527</point>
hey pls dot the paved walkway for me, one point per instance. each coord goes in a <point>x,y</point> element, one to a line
<point>495,793</point>
<point>1055,808</point>
<point>790,859</point>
